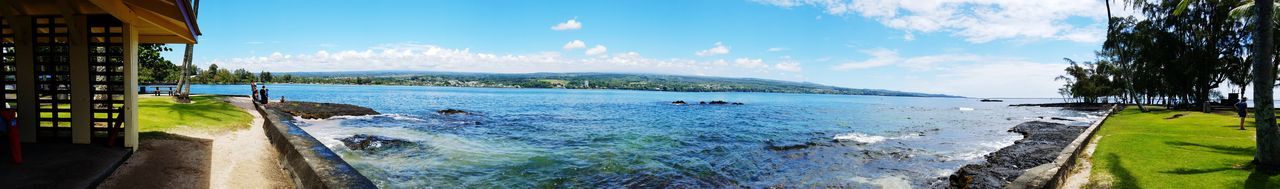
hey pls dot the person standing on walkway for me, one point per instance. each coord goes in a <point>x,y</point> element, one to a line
<point>1242,109</point>
<point>253,87</point>
<point>262,95</point>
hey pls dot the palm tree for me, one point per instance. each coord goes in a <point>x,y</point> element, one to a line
<point>184,82</point>
<point>1268,156</point>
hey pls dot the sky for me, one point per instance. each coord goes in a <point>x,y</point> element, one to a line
<point>975,48</point>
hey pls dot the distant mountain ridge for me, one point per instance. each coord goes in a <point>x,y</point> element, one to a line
<point>588,80</point>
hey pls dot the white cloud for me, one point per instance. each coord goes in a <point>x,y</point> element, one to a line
<point>964,74</point>
<point>788,66</point>
<point>976,21</point>
<point>879,57</point>
<point>998,78</point>
<point>750,63</point>
<point>572,24</point>
<point>575,44</point>
<point>886,57</point>
<point>718,49</point>
<point>254,43</point>
<point>777,49</point>
<point>599,49</point>
<point>436,58</point>
<point>909,37</point>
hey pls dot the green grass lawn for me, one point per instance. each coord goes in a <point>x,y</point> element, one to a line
<point>206,113</point>
<point>1197,150</point>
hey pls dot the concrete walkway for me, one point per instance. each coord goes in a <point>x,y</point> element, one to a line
<point>192,159</point>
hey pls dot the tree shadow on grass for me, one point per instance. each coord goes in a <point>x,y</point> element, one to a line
<point>1228,150</point>
<point>1258,179</point>
<point>1123,178</point>
<point>1189,171</point>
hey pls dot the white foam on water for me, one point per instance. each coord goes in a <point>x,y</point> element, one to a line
<point>367,117</point>
<point>965,109</point>
<point>891,181</point>
<point>860,138</point>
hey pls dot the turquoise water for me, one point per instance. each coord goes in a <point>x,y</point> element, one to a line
<point>612,138</point>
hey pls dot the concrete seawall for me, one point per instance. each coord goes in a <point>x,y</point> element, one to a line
<point>309,162</point>
<point>1055,174</point>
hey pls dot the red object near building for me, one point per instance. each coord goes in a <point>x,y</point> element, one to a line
<point>15,142</point>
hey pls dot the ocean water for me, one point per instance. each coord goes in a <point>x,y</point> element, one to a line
<point>520,138</point>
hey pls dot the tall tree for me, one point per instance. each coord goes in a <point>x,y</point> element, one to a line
<point>184,87</point>
<point>1268,156</point>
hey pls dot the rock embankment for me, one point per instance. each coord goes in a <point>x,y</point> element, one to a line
<point>373,142</point>
<point>313,110</point>
<point>1042,143</point>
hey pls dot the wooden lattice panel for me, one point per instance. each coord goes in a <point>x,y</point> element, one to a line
<point>106,68</point>
<point>8,66</point>
<point>53,75</point>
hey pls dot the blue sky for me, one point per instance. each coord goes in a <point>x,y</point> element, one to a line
<point>976,48</point>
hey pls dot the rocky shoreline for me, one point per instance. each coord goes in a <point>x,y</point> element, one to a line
<point>1041,144</point>
<point>314,110</point>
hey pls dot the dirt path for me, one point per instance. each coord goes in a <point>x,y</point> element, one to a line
<point>192,159</point>
<point>1080,179</point>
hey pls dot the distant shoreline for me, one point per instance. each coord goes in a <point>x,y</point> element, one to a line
<point>392,85</point>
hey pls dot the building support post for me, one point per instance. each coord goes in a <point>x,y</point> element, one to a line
<point>24,46</point>
<point>130,86</point>
<point>81,89</point>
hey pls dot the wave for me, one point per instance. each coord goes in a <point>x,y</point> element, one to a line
<point>890,181</point>
<point>965,109</point>
<point>397,117</point>
<point>861,138</point>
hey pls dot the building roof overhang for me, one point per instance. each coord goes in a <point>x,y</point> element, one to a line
<point>157,21</point>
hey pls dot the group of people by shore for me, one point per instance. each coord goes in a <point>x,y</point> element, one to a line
<point>259,94</point>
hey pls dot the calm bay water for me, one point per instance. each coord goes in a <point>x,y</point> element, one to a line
<point>611,138</point>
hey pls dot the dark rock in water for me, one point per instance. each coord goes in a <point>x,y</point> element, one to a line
<point>1042,143</point>
<point>312,110</point>
<point>991,100</point>
<point>373,142</point>
<point>451,111</point>
<point>702,102</point>
<point>679,102</point>
<point>1061,119</point>
<point>720,102</point>
<point>786,147</point>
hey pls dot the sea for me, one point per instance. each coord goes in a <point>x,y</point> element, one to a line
<point>525,138</point>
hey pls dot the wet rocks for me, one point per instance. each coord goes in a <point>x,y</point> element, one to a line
<point>679,102</point>
<point>451,111</point>
<point>778,146</point>
<point>313,110</point>
<point>373,142</point>
<point>1042,143</point>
